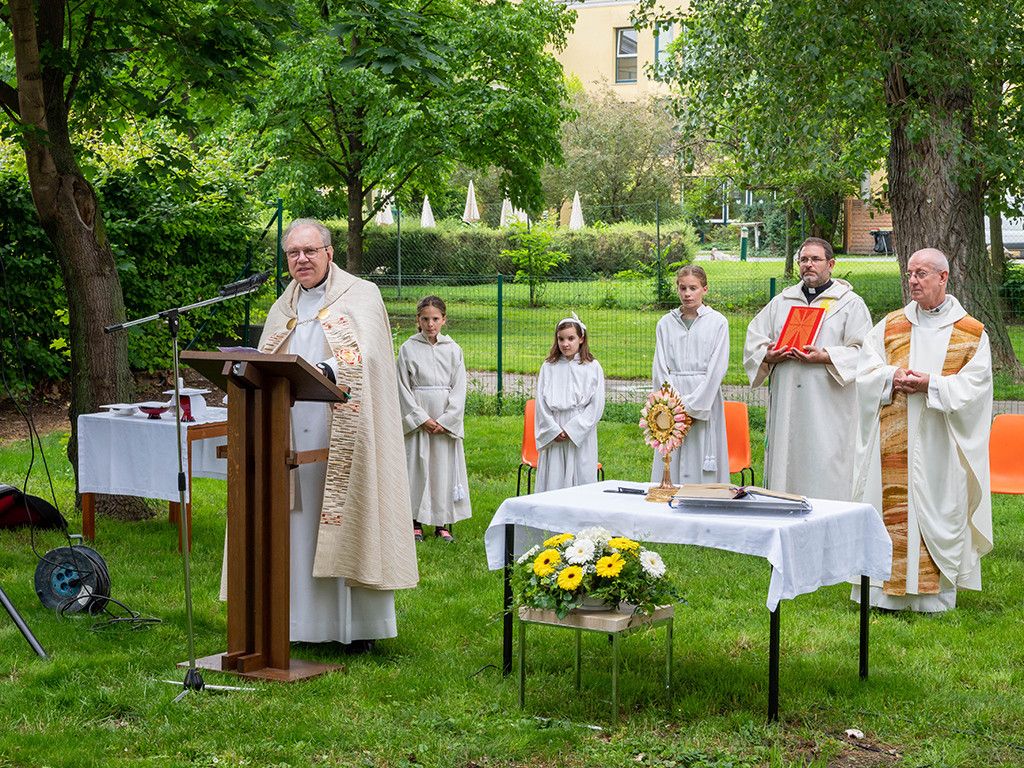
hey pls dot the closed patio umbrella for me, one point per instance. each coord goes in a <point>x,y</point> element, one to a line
<point>384,216</point>
<point>576,220</point>
<point>426,215</point>
<point>471,213</point>
<point>510,215</point>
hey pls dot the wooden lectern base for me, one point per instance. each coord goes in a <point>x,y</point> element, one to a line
<point>298,670</point>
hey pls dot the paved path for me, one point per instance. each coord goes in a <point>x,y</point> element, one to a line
<point>627,391</point>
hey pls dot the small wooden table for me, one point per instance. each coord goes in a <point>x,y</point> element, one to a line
<point>194,432</point>
<point>619,623</point>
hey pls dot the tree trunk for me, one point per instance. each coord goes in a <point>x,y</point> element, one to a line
<point>931,210</point>
<point>996,249</point>
<point>353,138</point>
<point>789,241</point>
<point>69,214</point>
<point>354,244</point>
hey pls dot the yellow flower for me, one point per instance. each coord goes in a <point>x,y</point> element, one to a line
<point>609,566</point>
<point>570,578</point>
<point>554,541</point>
<point>621,542</point>
<point>545,562</point>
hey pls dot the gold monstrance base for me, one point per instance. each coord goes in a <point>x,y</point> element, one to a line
<point>664,492</point>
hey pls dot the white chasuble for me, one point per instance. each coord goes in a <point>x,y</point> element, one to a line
<point>812,409</point>
<point>570,398</point>
<point>943,510</point>
<point>694,361</point>
<point>351,537</point>
<point>432,385</point>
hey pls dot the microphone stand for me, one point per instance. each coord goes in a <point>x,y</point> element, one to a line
<point>193,680</point>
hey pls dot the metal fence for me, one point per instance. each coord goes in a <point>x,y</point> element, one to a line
<point>505,338</point>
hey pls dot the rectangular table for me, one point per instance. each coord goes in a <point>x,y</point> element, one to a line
<point>137,456</point>
<point>833,543</point>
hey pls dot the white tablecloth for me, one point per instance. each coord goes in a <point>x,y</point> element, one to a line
<point>835,542</point>
<point>137,456</point>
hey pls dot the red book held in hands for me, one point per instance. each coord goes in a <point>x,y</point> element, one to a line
<point>801,328</point>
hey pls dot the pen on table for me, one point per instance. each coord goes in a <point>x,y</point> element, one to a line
<point>634,491</point>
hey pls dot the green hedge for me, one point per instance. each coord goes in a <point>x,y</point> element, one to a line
<point>452,249</point>
<point>173,247</point>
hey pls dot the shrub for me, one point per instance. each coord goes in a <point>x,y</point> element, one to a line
<point>173,247</point>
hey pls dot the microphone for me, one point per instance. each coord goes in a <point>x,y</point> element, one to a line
<point>242,287</point>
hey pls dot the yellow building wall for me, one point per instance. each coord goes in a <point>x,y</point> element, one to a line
<point>589,53</point>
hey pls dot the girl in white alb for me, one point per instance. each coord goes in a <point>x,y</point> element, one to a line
<point>570,401</point>
<point>432,394</point>
<point>691,353</point>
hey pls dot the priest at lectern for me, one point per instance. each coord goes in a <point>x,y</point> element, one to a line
<point>351,520</point>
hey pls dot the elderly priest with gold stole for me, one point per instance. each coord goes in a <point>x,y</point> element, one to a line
<point>351,520</point>
<point>924,392</point>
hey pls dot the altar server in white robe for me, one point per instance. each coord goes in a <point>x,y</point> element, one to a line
<point>924,391</point>
<point>570,402</point>
<point>691,353</point>
<point>432,391</point>
<point>812,405</point>
<point>350,518</point>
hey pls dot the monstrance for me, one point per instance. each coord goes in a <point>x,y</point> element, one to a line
<point>664,422</point>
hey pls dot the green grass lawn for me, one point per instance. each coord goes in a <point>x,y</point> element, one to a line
<point>943,691</point>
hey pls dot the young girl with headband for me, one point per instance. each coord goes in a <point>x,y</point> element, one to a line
<point>432,397</point>
<point>570,401</point>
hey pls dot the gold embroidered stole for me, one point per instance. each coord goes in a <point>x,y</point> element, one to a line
<point>342,341</point>
<point>963,343</point>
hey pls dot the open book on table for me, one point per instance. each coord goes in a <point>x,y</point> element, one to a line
<point>725,495</point>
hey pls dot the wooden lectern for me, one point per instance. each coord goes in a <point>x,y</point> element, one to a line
<point>261,390</point>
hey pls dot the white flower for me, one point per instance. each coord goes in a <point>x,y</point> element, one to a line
<point>652,563</point>
<point>580,551</point>
<point>597,534</point>
<point>528,554</point>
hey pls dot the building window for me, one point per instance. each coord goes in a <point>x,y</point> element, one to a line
<point>625,55</point>
<point>663,38</point>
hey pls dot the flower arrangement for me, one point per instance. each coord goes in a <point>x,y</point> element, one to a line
<point>559,573</point>
<point>664,420</point>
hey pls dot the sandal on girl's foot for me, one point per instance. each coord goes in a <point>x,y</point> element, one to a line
<point>444,535</point>
<point>417,532</point>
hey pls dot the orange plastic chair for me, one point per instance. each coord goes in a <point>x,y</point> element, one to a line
<point>528,452</point>
<point>1006,453</point>
<point>737,430</point>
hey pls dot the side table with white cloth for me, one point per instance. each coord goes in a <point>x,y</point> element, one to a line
<point>833,543</point>
<point>137,456</point>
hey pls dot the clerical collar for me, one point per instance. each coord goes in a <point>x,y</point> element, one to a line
<point>322,281</point>
<point>937,309</point>
<point>813,293</point>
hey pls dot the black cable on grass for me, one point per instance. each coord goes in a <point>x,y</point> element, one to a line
<point>129,621</point>
<point>485,666</point>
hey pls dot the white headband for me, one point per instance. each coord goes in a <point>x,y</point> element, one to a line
<point>572,319</point>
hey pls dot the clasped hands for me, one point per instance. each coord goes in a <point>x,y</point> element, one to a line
<point>909,382</point>
<point>809,354</point>
<point>433,427</point>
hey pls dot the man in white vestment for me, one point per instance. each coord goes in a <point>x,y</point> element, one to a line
<point>351,520</point>
<point>812,407</point>
<point>924,393</point>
